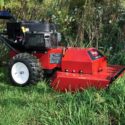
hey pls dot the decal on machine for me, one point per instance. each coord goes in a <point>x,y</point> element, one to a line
<point>55,58</point>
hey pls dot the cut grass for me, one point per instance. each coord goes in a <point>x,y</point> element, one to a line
<point>40,105</point>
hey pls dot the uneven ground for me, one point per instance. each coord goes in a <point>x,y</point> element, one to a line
<point>40,105</point>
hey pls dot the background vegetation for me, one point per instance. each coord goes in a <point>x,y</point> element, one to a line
<point>97,23</point>
<point>86,23</point>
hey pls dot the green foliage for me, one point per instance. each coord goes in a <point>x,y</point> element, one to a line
<point>4,53</point>
<point>117,58</point>
<point>86,22</point>
<point>2,2</point>
<point>40,105</point>
<point>81,22</point>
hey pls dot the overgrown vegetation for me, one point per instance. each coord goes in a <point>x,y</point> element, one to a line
<point>98,23</point>
<point>40,105</point>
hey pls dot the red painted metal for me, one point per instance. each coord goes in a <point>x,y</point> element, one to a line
<point>44,58</point>
<point>64,81</point>
<point>80,68</point>
<point>12,53</point>
<point>78,60</point>
<point>84,68</point>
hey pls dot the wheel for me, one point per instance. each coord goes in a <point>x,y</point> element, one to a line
<point>25,69</point>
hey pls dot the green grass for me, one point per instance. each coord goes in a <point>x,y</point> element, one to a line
<point>40,105</point>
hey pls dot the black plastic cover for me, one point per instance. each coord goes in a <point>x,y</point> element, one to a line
<point>39,36</point>
<point>34,41</point>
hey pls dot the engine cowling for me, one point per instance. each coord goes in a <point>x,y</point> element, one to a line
<point>33,36</point>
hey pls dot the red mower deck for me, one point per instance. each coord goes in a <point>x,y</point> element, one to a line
<point>64,81</point>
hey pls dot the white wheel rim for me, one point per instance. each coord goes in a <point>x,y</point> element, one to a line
<point>20,73</point>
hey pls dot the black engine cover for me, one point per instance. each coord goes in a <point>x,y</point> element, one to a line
<point>38,37</point>
<point>34,41</point>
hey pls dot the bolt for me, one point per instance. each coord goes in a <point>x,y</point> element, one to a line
<point>81,72</point>
<point>22,72</point>
<point>66,70</point>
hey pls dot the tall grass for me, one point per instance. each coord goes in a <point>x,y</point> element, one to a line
<point>40,105</point>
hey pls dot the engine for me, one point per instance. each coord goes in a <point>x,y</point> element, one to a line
<point>33,36</point>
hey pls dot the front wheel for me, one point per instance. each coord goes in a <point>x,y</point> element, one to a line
<point>25,69</point>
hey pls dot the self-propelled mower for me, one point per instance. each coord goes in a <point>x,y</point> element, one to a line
<point>34,49</point>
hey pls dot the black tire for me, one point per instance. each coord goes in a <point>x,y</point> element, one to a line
<point>33,69</point>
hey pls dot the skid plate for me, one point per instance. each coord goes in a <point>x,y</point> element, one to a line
<point>64,81</point>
